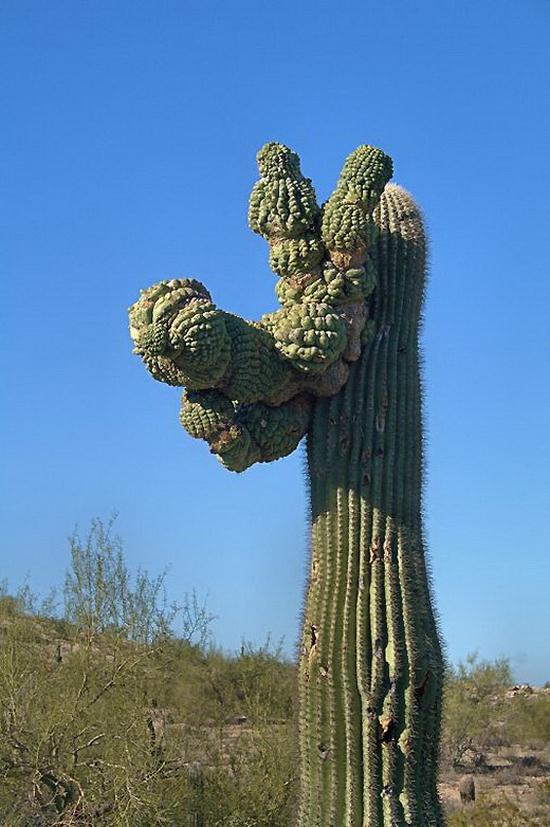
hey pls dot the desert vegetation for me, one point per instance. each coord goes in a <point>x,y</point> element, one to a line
<point>117,708</point>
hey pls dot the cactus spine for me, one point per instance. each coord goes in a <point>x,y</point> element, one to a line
<point>338,362</point>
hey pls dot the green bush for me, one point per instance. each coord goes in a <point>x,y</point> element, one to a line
<point>96,733</point>
<point>528,719</point>
<point>101,594</point>
<point>77,737</point>
<point>473,706</point>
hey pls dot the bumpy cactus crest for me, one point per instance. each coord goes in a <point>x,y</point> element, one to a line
<point>184,339</point>
<point>338,362</point>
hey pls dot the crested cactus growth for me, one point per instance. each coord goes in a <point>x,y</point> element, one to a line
<point>347,226</point>
<point>338,362</point>
<point>180,335</point>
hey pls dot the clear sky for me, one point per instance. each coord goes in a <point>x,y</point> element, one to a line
<point>129,137</point>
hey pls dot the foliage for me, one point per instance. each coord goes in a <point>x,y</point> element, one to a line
<point>490,814</point>
<point>470,708</point>
<point>543,793</point>
<point>104,731</point>
<point>256,786</point>
<point>110,718</point>
<point>258,683</point>
<point>77,739</point>
<point>478,716</point>
<point>528,719</point>
<point>98,729</point>
<point>101,595</point>
<point>26,600</point>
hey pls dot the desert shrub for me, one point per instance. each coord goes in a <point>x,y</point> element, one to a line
<point>253,786</point>
<point>528,719</point>
<point>101,593</point>
<point>118,712</point>
<point>79,741</point>
<point>259,681</point>
<point>266,681</point>
<point>91,736</point>
<point>102,730</point>
<point>489,814</point>
<point>543,793</point>
<point>473,707</point>
<point>257,684</point>
<point>250,778</point>
<point>24,599</point>
<point>112,718</point>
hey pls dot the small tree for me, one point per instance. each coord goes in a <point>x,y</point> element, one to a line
<point>471,696</point>
<point>102,595</point>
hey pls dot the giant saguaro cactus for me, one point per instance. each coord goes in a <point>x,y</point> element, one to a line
<point>338,362</point>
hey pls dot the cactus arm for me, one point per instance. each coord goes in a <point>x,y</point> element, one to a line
<point>347,227</point>
<point>192,343</point>
<point>185,340</point>
<point>283,209</point>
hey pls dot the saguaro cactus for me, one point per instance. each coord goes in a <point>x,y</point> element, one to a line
<point>338,362</point>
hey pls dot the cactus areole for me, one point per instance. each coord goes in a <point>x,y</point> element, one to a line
<point>338,362</point>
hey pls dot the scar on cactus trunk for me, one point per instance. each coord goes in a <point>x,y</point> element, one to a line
<point>338,362</point>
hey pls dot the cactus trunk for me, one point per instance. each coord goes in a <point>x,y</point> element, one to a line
<point>370,662</point>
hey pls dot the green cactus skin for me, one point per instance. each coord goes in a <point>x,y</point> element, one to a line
<point>347,229</point>
<point>370,664</point>
<point>338,362</point>
<point>241,435</point>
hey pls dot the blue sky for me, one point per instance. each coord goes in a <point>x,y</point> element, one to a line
<point>128,147</point>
